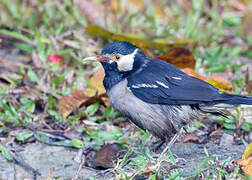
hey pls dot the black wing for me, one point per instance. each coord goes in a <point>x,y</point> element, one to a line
<point>163,83</point>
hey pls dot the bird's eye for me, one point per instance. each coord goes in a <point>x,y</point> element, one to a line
<point>117,57</point>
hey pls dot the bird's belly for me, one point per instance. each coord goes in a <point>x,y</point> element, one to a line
<point>160,120</point>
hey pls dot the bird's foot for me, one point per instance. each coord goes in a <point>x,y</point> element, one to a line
<point>157,145</point>
<point>172,141</point>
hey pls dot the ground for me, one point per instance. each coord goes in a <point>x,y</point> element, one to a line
<point>55,118</point>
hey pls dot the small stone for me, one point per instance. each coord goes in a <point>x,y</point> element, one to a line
<point>226,140</point>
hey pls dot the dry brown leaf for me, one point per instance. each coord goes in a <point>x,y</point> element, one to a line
<point>94,92</point>
<point>191,137</point>
<point>180,57</point>
<point>248,82</point>
<point>184,4</point>
<point>70,102</point>
<point>159,11</point>
<point>191,72</point>
<point>93,12</point>
<point>115,5</point>
<point>138,5</point>
<point>219,82</point>
<point>239,5</point>
<point>13,65</point>
<point>246,165</point>
<point>247,25</point>
<point>215,80</point>
<point>106,155</point>
<point>95,85</point>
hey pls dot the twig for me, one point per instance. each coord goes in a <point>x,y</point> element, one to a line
<point>79,169</point>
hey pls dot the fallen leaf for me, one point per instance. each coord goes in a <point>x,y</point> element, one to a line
<point>13,65</point>
<point>246,165</point>
<point>93,12</point>
<point>136,5</point>
<point>184,4</point>
<point>191,72</point>
<point>239,5</point>
<point>95,85</point>
<point>191,137</point>
<point>159,11</point>
<point>142,42</point>
<point>77,143</point>
<point>6,153</point>
<point>24,135</point>
<point>248,82</point>
<point>115,5</point>
<point>247,152</point>
<point>106,155</point>
<point>247,25</point>
<point>219,82</point>
<point>180,57</point>
<point>70,102</point>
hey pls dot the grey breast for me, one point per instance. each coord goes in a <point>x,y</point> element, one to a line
<point>160,120</point>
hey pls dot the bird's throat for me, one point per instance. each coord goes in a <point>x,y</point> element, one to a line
<point>112,76</point>
<point>112,79</point>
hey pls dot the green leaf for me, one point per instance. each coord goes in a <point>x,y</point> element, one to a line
<point>32,76</point>
<point>77,143</point>
<point>56,115</point>
<point>58,79</point>
<point>232,21</point>
<point>52,103</point>
<point>101,136</point>
<point>17,35</point>
<point>246,127</point>
<point>4,89</point>
<point>66,143</point>
<point>109,112</point>
<point>6,153</point>
<point>229,126</point>
<point>91,110</point>
<point>42,137</point>
<point>173,161</point>
<point>200,166</point>
<point>28,105</point>
<point>24,135</point>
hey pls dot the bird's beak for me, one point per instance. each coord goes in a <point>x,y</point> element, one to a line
<point>99,58</point>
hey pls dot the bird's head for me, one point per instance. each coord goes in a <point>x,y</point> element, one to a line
<point>121,56</point>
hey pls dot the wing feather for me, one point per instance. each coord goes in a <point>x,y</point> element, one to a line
<point>163,83</point>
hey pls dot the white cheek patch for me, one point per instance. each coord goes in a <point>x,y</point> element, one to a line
<point>126,62</point>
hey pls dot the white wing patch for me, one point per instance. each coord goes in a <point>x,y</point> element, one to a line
<point>162,84</point>
<point>126,62</point>
<point>177,78</point>
<point>144,86</point>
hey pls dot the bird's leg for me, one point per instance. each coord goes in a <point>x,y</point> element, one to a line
<point>156,145</point>
<point>172,141</point>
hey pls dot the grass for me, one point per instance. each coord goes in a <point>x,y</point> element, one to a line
<point>39,29</point>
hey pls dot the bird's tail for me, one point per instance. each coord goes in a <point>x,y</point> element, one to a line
<point>237,99</point>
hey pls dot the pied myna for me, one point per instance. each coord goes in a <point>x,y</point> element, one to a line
<point>156,95</point>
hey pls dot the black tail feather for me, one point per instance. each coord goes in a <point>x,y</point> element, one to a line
<point>238,99</point>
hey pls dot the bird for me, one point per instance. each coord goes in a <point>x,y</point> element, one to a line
<point>156,95</point>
